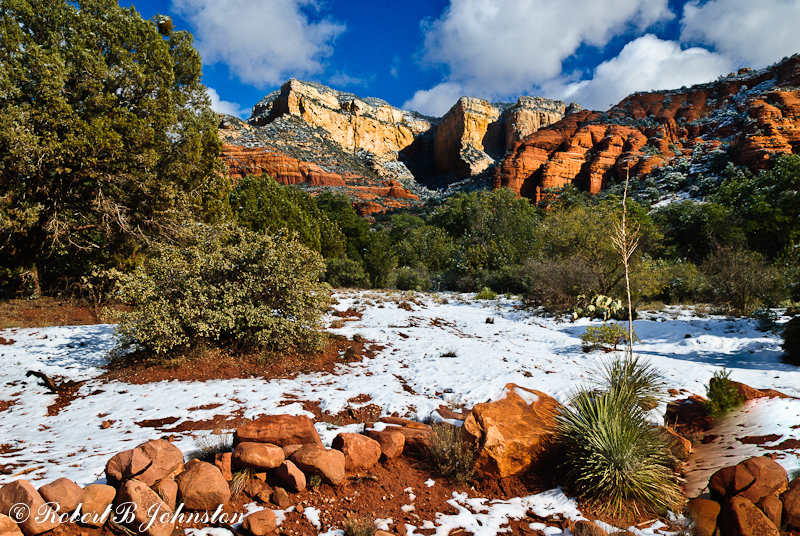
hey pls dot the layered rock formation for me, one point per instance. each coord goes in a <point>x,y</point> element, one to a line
<point>753,115</point>
<point>383,157</point>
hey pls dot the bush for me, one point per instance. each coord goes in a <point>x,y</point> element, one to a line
<point>721,393</point>
<point>602,307</point>
<point>485,294</point>
<point>739,278</point>
<point>408,278</point>
<point>791,341</point>
<point>605,336</point>
<point>362,526</point>
<point>615,457</point>
<point>451,457</point>
<point>224,286</point>
<point>344,272</point>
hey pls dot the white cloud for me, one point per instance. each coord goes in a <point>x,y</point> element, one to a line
<point>263,43</point>
<point>499,47</point>
<point>224,107</point>
<point>752,33</point>
<point>644,64</point>
<point>435,101</point>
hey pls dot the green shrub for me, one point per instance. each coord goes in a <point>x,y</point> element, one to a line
<point>224,286</point>
<point>605,336</point>
<point>791,340</point>
<point>408,278</point>
<point>614,457</point>
<point>721,393</point>
<point>451,457</point>
<point>343,272</point>
<point>485,294</point>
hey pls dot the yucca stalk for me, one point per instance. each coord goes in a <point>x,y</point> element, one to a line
<point>625,243</point>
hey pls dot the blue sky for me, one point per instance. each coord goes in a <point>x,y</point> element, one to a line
<point>425,54</point>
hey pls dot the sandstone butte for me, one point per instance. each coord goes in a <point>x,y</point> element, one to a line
<point>758,113</point>
<point>309,134</point>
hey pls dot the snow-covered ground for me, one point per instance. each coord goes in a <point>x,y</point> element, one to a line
<point>409,375</point>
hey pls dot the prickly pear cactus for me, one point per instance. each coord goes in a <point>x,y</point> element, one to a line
<point>599,306</point>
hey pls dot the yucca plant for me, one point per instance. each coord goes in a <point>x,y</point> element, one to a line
<point>614,456</point>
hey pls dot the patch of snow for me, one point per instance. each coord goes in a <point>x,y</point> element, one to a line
<point>430,482</point>
<point>312,514</point>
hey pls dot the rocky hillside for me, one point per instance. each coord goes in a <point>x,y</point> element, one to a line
<point>381,156</point>
<point>746,117</point>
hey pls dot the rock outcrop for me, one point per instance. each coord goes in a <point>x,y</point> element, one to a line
<point>381,156</point>
<point>752,115</point>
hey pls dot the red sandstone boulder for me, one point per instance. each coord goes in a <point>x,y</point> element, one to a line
<point>730,481</point>
<point>260,523</point>
<point>391,442</point>
<point>292,476</point>
<point>326,463</point>
<point>704,514</point>
<point>145,513</point>
<point>148,463</point>
<point>772,508</point>
<point>36,517</point>
<point>258,456</point>
<point>288,450</point>
<point>280,498</point>
<point>167,489</point>
<point>741,517</point>
<point>509,433</point>
<point>791,504</point>
<point>360,451</point>
<point>202,487</point>
<point>769,478</point>
<point>681,447</point>
<point>753,479</point>
<point>97,502</point>
<point>415,434</point>
<point>223,462</point>
<point>63,495</point>
<point>126,464</point>
<point>279,430</point>
<point>587,528</point>
<point>8,527</point>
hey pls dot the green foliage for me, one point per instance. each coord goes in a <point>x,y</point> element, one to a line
<point>224,286</point>
<point>684,281</point>
<point>492,229</point>
<point>691,229</point>
<point>343,272</point>
<point>721,393</point>
<point>605,336</point>
<point>427,245</point>
<point>766,205</point>
<point>408,278</point>
<point>106,135</point>
<point>485,294</point>
<point>450,456</point>
<point>574,248</point>
<point>260,204</point>
<point>791,340</point>
<point>340,211</point>
<point>615,457</point>
<point>314,481</point>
